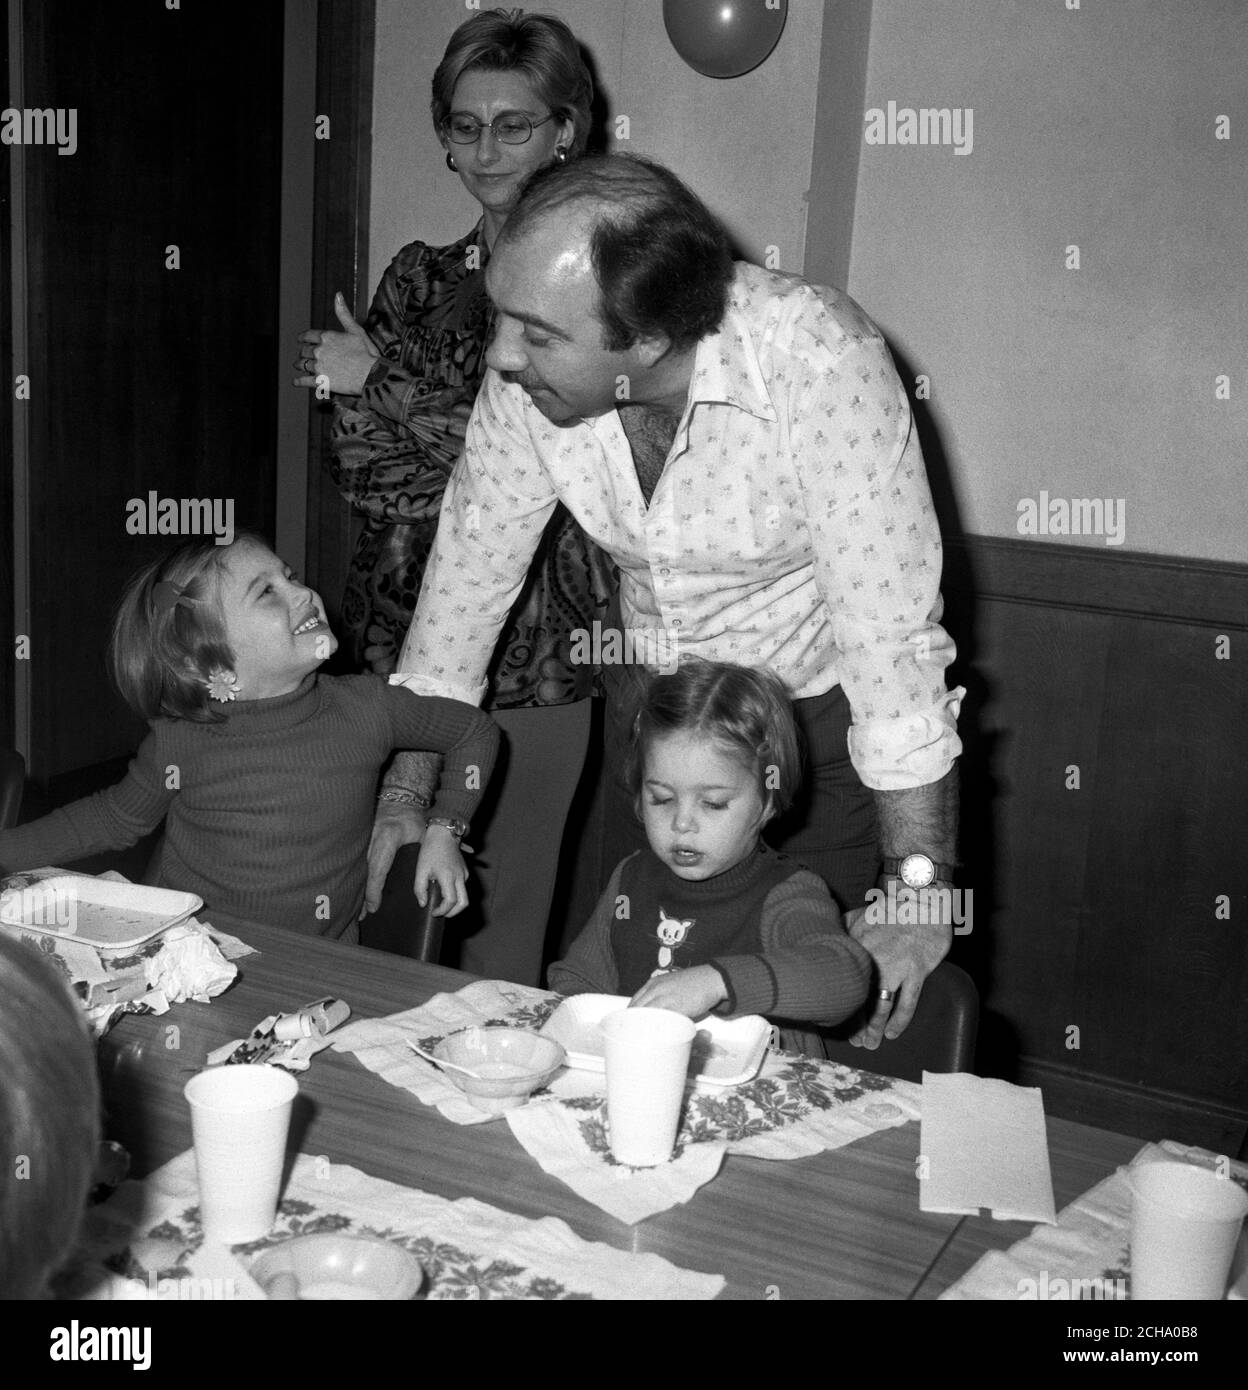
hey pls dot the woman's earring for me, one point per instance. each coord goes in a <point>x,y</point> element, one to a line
<point>561,154</point>
<point>450,163</point>
<point>222,685</point>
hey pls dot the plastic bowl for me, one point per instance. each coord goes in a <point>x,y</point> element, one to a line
<point>323,1267</point>
<point>512,1062</point>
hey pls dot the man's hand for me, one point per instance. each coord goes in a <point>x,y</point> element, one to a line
<point>342,360</point>
<point>693,992</point>
<point>393,825</point>
<point>441,862</point>
<point>905,954</point>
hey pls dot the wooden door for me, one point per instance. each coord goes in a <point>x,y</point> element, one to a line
<point>151,285</point>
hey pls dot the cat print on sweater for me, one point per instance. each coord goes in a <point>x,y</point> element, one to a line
<point>671,933</point>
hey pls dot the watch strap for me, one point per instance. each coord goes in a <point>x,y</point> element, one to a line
<point>457,827</point>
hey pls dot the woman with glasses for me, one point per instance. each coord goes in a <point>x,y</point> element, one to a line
<point>510,95</point>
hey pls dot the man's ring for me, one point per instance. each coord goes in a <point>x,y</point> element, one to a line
<point>886,995</point>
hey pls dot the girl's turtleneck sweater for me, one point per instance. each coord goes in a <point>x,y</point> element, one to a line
<point>768,926</point>
<point>268,814</point>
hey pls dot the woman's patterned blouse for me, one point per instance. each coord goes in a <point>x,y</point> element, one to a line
<point>393,450</point>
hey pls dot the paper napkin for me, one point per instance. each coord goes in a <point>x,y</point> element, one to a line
<point>982,1143</point>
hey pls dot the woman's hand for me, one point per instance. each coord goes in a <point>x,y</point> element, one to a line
<point>441,862</point>
<point>459,416</point>
<point>693,992</point>
<point>342,360</point>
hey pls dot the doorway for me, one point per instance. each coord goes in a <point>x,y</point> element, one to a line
<point>154,279</point>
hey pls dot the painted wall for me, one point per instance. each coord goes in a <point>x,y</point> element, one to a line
<point>1092,127</point>
<point>743,145</point>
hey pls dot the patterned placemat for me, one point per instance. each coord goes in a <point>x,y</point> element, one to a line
<point>146,1241</point>
<point>1087,1255</point>
<point>794,1108</point>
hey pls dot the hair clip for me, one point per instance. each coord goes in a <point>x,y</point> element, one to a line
<point>167,595</point>
<point>222,684</point>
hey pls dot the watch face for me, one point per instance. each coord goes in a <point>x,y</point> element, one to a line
<point>916,871</point>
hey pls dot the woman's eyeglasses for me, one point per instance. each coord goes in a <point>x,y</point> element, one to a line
<point>511,128</point>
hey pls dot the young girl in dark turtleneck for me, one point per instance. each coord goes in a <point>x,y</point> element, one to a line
<point>263,772</point>
<point>709,919</point>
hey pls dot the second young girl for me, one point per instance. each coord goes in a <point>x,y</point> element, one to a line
<point>263,772</point>
<point>708,918</point>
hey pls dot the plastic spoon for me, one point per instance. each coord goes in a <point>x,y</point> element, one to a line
<point>441,1064</point>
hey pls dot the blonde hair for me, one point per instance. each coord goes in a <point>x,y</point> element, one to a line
<point>169,632</point>
<point>539,47</point>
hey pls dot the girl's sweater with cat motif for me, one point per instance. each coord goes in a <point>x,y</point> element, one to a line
<point>767,925</point>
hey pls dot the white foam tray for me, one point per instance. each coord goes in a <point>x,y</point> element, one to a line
<point>99,912</point>
<point>726,1052</point>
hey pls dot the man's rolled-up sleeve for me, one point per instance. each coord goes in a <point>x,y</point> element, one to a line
<point>497,504</point>
<point>877,556</point>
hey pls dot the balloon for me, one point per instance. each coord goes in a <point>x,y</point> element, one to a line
<point>724,38</point>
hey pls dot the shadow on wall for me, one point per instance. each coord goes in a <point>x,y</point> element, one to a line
<point>600,109</point>
<point>982,750</point>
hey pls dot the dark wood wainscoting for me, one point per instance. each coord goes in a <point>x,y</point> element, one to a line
<point>1105,814</point>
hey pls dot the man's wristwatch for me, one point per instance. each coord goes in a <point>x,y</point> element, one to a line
<point>918,871</point>
<point>457,827</point>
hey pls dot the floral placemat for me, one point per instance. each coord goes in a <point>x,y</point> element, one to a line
<point>381,1044</point>
<point>146,1241</point>
<point>1087,1255</point>
<point>794,1108</point>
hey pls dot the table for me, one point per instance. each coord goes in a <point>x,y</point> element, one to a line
<point>1079,1157</point>
<point>840,1224</point>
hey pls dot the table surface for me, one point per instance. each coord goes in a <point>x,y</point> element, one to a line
<point>839,1224</point>
<point>1079,1158</point>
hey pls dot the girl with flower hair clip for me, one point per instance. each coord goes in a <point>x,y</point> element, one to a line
<point>264,772</point>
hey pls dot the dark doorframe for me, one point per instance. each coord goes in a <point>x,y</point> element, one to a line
<point>298,202</point>
<point>344,86</point>
<point>328,71</point>
<point>152,254</point>
<point>10,181</point>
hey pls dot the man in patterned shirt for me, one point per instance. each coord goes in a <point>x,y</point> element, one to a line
<point>740,444</point>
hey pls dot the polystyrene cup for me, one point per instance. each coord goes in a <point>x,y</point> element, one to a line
<point>1184,1228</point>
<point>239,1119</point>
<point>647,1052</point>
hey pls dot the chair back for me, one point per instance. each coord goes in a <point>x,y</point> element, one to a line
<point>12,784</point>
<point>941,1035</point>
<point>400,925</point>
